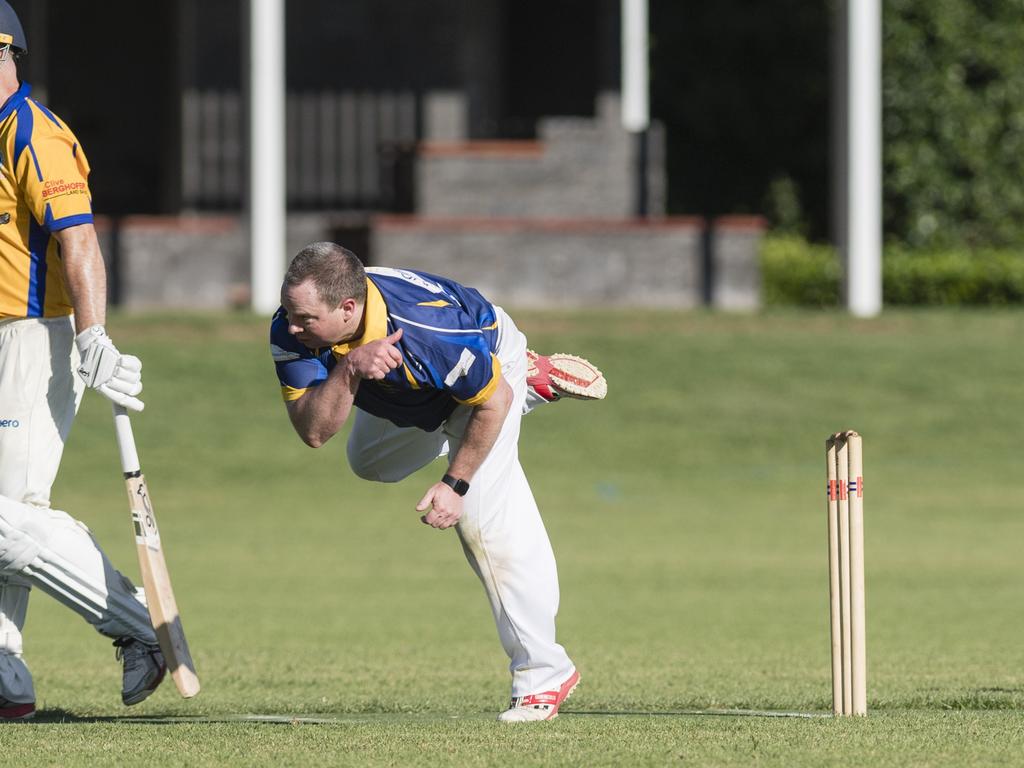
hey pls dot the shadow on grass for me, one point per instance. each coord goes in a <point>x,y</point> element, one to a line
<point>61,716</point>
<point>58,716</point>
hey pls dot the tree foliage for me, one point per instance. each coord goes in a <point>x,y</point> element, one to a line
<point>953,101</point>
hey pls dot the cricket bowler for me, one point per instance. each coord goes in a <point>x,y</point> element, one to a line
<point>427,368</point>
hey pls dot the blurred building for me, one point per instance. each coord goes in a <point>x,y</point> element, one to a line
<point>476,137</point>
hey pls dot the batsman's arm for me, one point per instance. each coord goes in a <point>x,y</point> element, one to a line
<point>115,376</point>
<point>84,273</point>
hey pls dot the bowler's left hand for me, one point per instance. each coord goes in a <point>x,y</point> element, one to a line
<point>444,505</point>
<point>376,359</point>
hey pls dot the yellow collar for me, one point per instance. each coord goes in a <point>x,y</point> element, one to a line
<point>375,315</point>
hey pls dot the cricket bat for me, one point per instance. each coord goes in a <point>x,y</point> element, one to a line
<point>163,610</point>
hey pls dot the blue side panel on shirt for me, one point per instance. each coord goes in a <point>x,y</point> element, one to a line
<point>38,237</point>
<point>38,240</point>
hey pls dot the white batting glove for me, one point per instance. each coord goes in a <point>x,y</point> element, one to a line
<point>115,376</point>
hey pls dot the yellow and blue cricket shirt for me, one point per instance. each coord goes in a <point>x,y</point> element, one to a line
<point>448,344</point>
<point>43,189</point>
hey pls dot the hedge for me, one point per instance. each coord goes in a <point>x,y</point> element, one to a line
<point>796,272</point>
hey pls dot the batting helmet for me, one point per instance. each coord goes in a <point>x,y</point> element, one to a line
<point>11,32</point>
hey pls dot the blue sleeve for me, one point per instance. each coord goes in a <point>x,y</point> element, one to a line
<point>297,368</point>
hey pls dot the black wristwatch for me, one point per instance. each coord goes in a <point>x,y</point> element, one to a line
<point>459,486</point>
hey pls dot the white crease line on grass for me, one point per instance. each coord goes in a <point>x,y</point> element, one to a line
<point>706,713</point>
<point>371,717</point>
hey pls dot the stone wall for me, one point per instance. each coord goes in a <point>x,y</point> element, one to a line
<point>202,262</point>
<point>194,262</point>
<point>578,168</point>
<point>735,270</point>
<point>529,263</point>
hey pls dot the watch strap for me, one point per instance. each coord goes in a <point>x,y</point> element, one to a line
<point>459,486</point>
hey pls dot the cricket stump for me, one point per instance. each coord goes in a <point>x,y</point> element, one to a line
<point>844,465</point>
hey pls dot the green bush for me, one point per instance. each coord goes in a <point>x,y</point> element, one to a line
<point>795,272</point>
<point>989,277</point>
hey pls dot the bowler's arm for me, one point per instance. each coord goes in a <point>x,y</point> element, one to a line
<point>441,505</point>
<point>323,410</point>
<point>481,432</point>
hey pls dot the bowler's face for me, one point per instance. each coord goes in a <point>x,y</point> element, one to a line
<point>310,320</point>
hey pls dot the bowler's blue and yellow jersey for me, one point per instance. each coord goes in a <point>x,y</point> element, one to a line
<point>43,189</point>
<point>449,338</point>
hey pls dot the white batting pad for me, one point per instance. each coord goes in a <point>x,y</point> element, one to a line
<point>15,679</point>
<point>57,553</point>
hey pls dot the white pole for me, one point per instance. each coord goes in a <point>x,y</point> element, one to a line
<point>635,113</point>
<point>267,191</point>
<point>864,159</point>
<point>635,110</point>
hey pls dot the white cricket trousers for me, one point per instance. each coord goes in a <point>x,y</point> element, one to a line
<point>502,534</point>
<point>39,397</point>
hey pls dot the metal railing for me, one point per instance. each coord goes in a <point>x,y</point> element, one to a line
<point>344,149</point>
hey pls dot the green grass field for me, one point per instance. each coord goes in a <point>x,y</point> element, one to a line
<point>687,514</point>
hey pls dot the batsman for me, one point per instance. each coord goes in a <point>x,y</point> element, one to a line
<point>52,347</point>
<point>428,368</point>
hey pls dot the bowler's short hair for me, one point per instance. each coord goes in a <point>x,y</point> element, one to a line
<point>336,272</point>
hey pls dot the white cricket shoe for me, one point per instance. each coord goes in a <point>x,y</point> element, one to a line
<point>539,706</point>
<point>559,375</point>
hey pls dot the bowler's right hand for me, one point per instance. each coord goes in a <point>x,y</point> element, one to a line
<point>376,359</point>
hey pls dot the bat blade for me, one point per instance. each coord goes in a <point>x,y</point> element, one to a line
<point>156,580</point>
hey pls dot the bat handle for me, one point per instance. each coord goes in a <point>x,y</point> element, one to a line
<point>125,440</point>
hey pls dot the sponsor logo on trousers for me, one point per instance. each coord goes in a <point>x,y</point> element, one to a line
<point>13,423</point>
